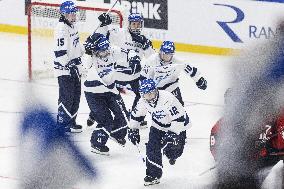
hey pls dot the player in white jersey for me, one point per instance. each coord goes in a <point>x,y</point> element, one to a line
<point>67,64</point>
<point>165,69</point>
<point>127,38</point>
<point>168,130</point>
<point>103,98</point>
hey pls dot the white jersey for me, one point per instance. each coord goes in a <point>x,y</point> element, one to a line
<point>167,115</point>
<point>67,47</point>
<point>166,77</point>
<point>121,37</point>
<point>103,73</point>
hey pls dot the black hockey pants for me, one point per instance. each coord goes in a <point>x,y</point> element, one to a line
<point>69,100</point>
<point>107,111</point>
<point>154,152</point>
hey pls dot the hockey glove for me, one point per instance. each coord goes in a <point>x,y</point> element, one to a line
<point>73,63</point>
<point>142,40</point>
<point>201,83</point>
<point>105,19</point>
<point>172,138</point>
<point>134,64</point>
<point>134,136</point>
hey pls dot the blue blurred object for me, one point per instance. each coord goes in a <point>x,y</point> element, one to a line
<point>48,158</point>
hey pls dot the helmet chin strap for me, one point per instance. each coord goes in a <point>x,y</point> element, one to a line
<point>135,31</point>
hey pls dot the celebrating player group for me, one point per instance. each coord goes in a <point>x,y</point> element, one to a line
<point>123,57</point>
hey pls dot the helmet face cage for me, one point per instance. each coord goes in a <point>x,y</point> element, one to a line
<point>151,97</point>
<point>69,10</point>
<point>148,90</point>
<point>135,23</point>
<point>71,17</point>
<point>167,51</point>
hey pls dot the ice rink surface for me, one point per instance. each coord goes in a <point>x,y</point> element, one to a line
<point>123,169</point>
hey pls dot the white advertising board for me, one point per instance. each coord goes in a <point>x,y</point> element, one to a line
<point>219,23</point>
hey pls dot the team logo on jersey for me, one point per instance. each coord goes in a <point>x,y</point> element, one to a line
<point>225,24</point>
<point>155,12</point>
<point>159,114</point>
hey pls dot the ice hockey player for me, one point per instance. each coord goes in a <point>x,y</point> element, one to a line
<point>67,66</point>
<point>103,98</point>
<point>165,69</point>
<point>257,80</point>
<point>269,144</point>
<point>168,130</point>
<point>127,38</point>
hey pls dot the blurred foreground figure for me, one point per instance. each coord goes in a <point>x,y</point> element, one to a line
<point>257,96</point>
<point>48,158</point>
<point>269,143</point>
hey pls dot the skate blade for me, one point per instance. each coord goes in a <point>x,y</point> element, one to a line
<point>99,152</point>
<point>151,183</point>
<point>76,130</point>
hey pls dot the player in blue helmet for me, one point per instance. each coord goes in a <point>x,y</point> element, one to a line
<point>98,45</point>
<point>167,132</point>
<point>164,67</point>
<point>68,9</point>
<point>68,67</point>
<point>149,91</point>
<point>167,51</point>
<point>108,66</point>
<point>128,38</point>
<point>135,23</point>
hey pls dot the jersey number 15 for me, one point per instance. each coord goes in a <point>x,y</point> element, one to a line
<point>60,42</point>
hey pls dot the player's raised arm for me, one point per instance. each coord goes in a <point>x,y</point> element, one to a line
<point>194,73</point>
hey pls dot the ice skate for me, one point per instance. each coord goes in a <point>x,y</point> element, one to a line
<point>148,180</point>
<point>102,150</point>
<point>74,129</point>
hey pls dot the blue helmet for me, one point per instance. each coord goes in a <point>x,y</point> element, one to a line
<point>168,47</point>
<point>68,7</point>
<point>147,86</point>
<point>135,17</point>
<point>102,44</point>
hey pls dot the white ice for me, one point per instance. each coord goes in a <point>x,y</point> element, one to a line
<point>123,169</point>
